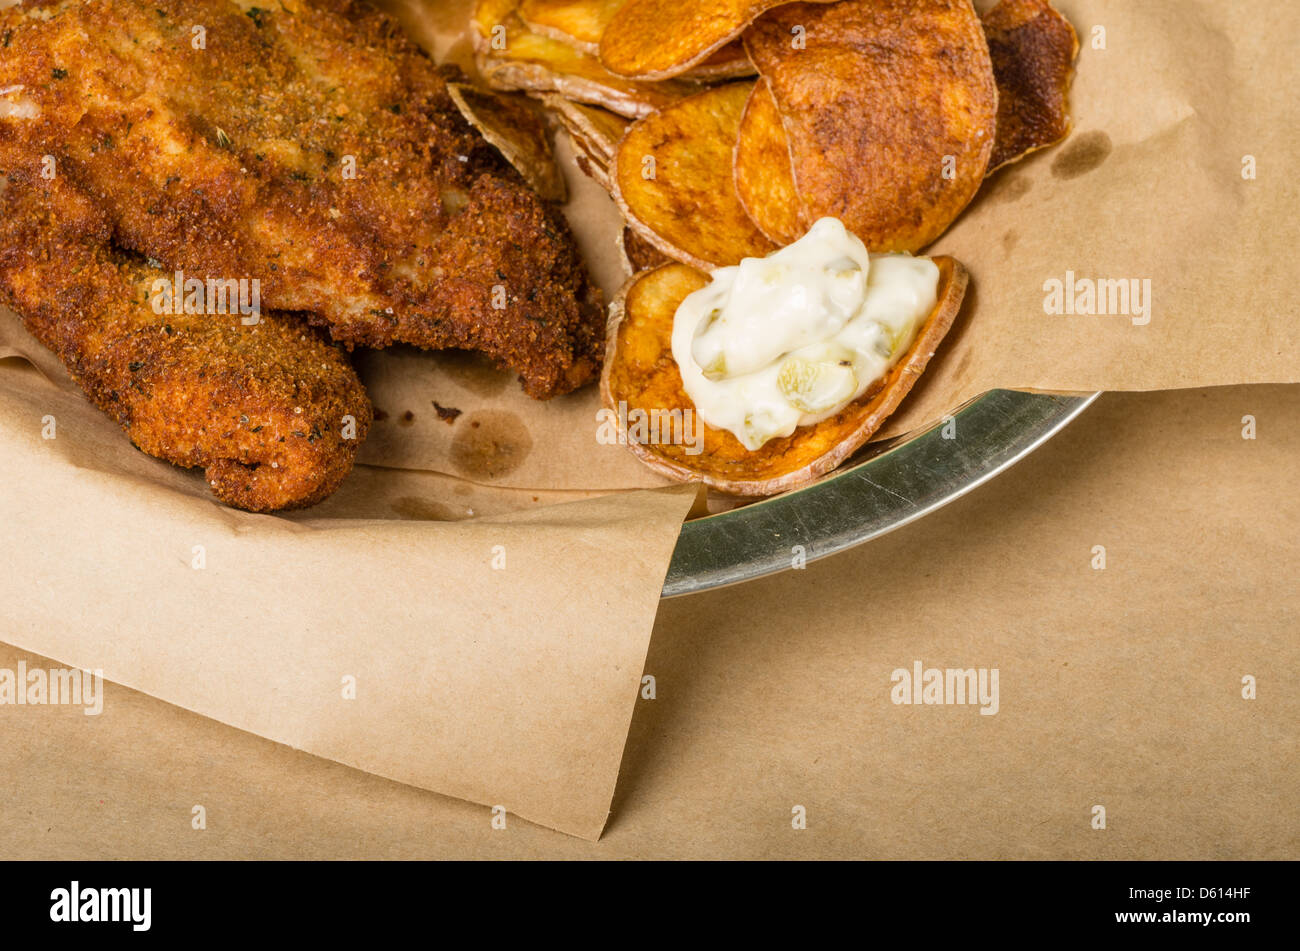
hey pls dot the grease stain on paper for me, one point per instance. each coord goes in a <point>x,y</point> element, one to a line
<point>493,444</point>
<point>1009,188</point>
<point>1082,155</point>
<point>414,507</point>
<point>472,372</point>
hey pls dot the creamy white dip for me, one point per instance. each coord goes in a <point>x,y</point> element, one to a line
<point>788,340</point>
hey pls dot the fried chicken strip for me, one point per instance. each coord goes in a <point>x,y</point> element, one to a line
<point>310,145</point>
<point>273,413</point>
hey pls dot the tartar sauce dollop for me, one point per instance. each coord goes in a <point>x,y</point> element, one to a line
<point>789,340</point>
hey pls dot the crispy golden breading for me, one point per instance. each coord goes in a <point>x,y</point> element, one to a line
<point>271,411</point>
<point>310,145</point>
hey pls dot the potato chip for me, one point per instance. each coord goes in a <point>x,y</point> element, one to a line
<point>598,128</point>
<point>640,374</point>
<point>584,147</point>
<point>891,110</point>
<point>730,62</point>
<point>1033,49</point>
<point>595,134</point>
<point>764,177</point>
<point>638,253</point>
<point>592,168</point>
<point>488,21</point>
<point>674,180</point>
<point>515,127</point>
<point>581,23</point>
<point>591,163</point>
<point>657,39</point>
<point>510,56</point>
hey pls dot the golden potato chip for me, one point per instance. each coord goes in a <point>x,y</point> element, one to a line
<point>764,177</point>
<point>598,128</point>
<point>891,110</point>
<point>489,22</point>
<point>640,374</point>
<point>514,126</point>
<point>593,151</point>
<point>510,56</point>
<point>730,62</point>
<point>673,179</point>
<point>656,39</point>
<point>638,253</point>
<point>1033,49</point>
<point>592,168</point>
<point>597,153</point>
<point>591,163</point>
<point>594,133</point>
<point>580,23</point>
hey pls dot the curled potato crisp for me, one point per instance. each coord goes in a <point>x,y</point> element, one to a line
<point>641,377</point>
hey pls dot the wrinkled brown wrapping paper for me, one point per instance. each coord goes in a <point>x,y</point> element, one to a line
<point>1119,687</point>
<point>514,687</point>
<point>507,682</point>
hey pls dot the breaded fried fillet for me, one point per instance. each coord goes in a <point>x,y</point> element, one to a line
<point>310,145</point>
<point>272,412</point>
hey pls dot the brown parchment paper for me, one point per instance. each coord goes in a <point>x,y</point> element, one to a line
<point>514,686</point>
<point>1118,687</point>
<point>496,659</point>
